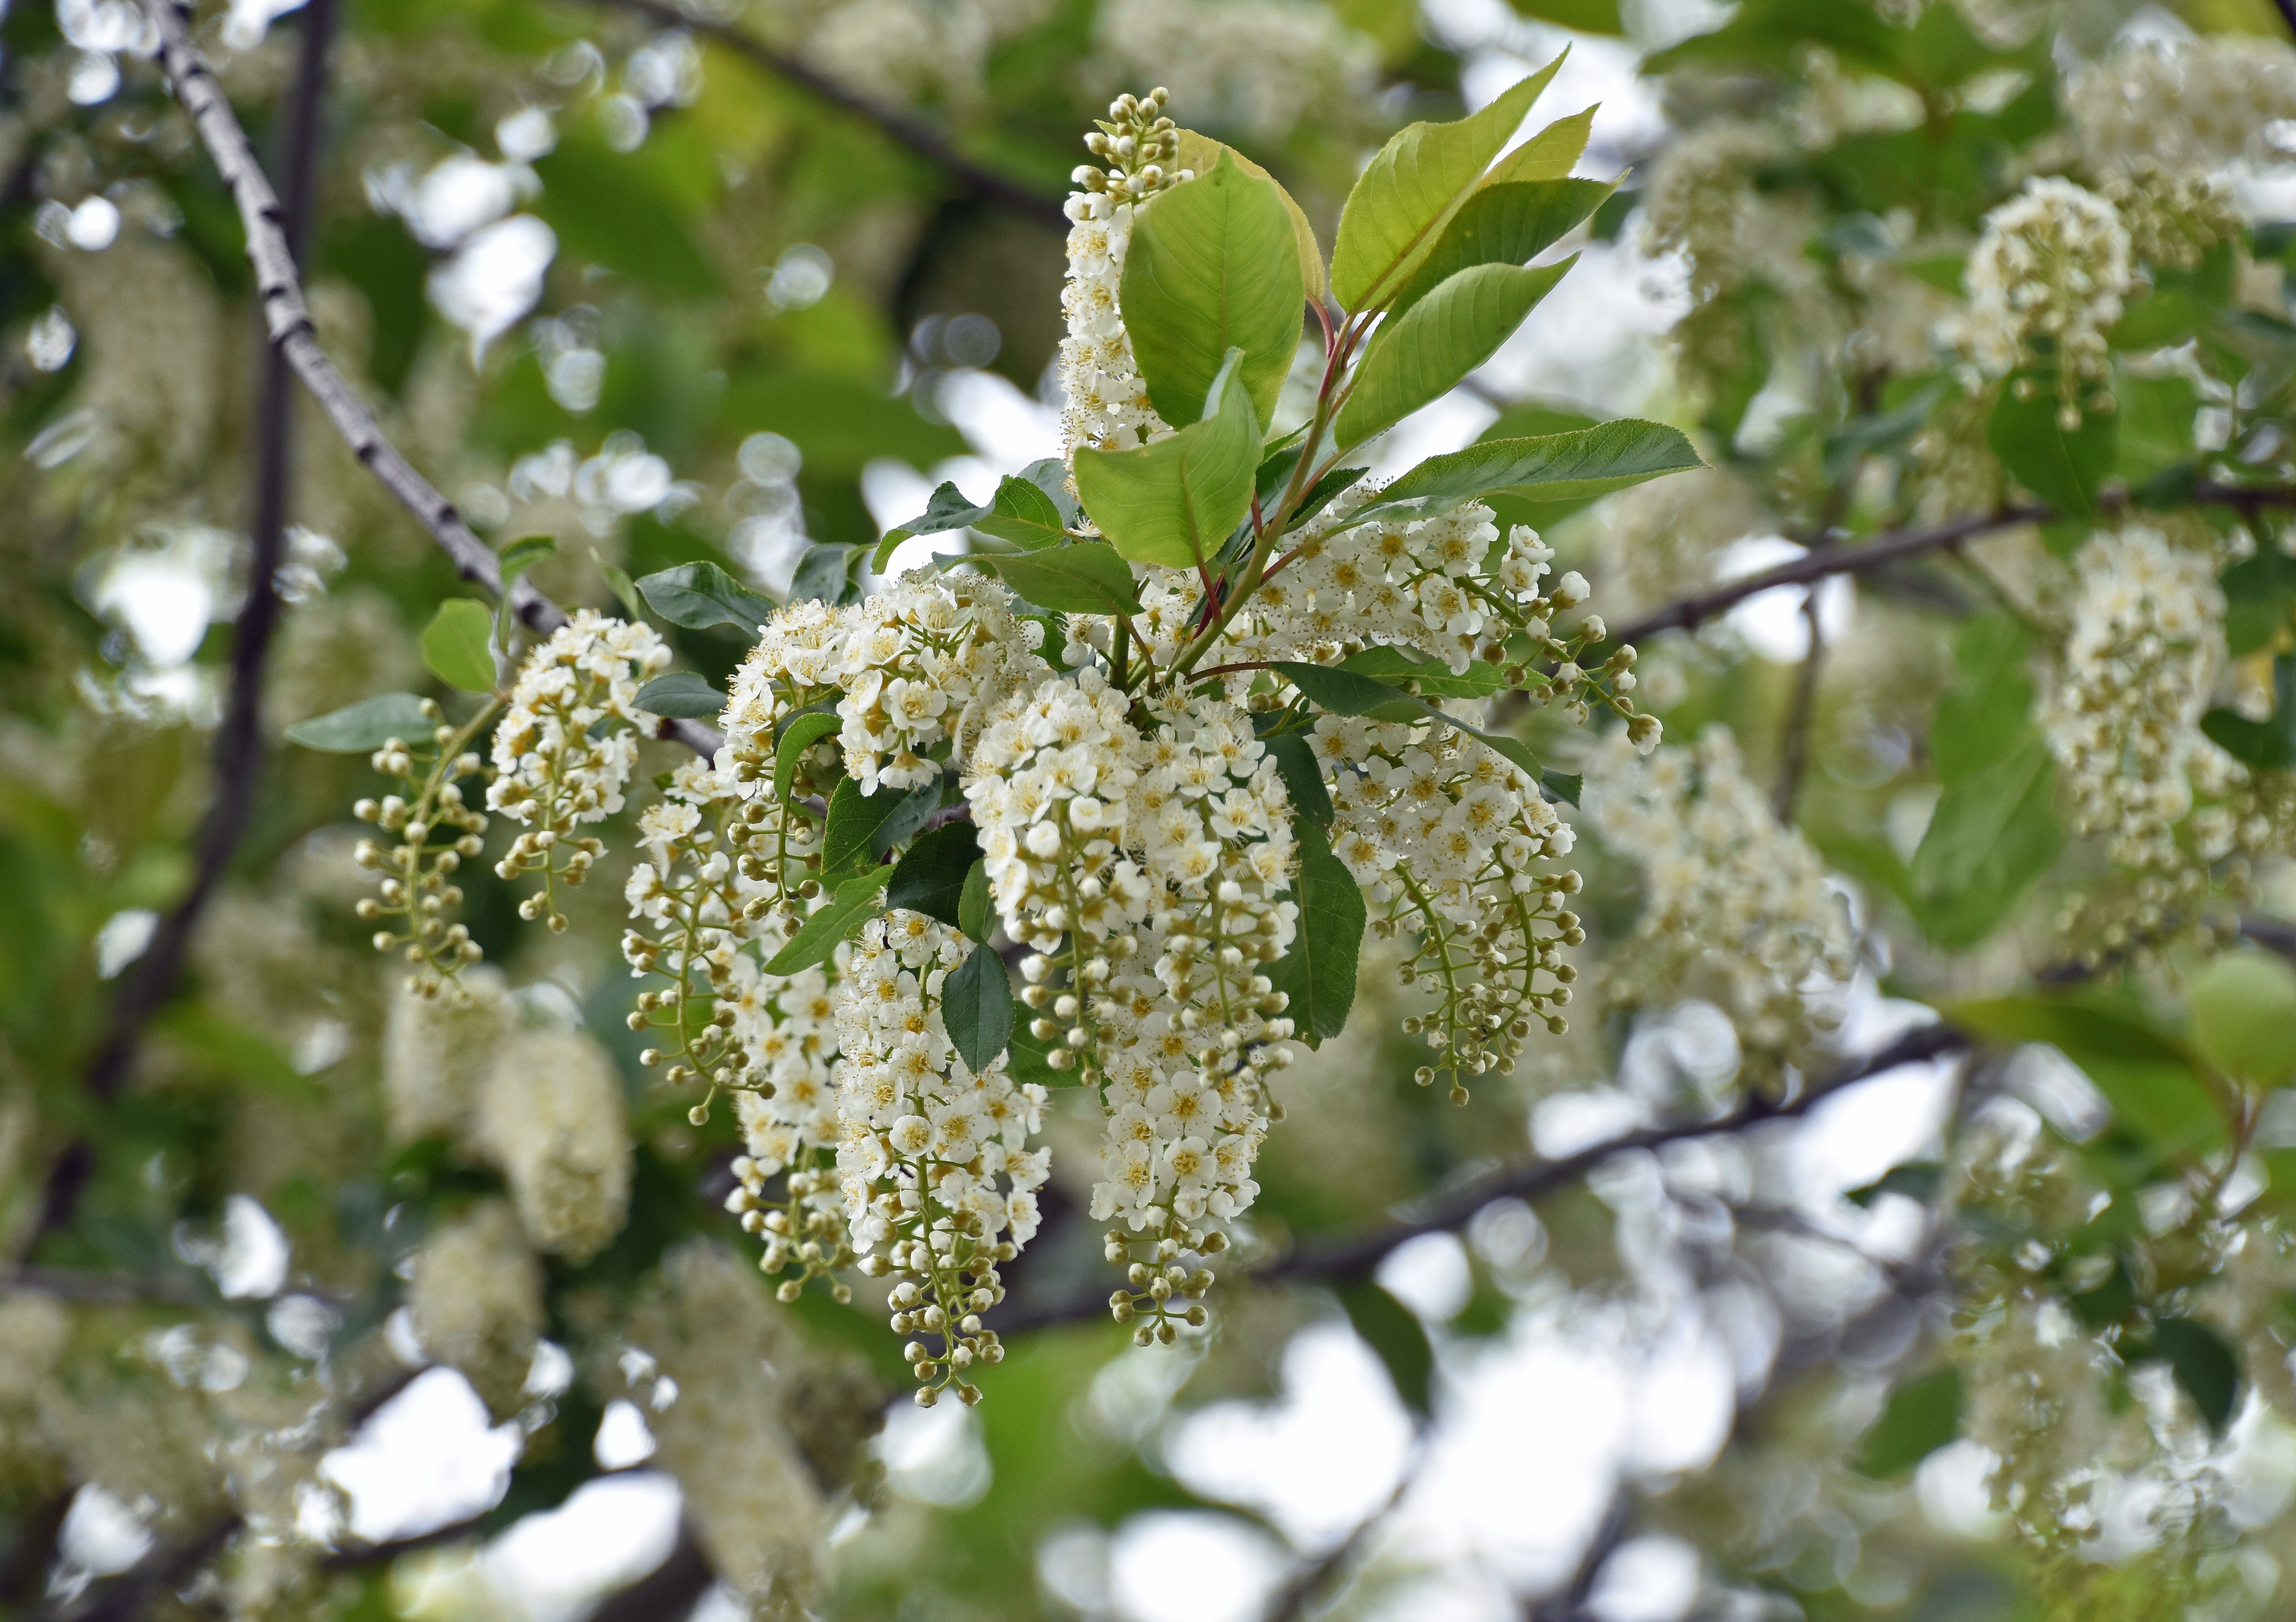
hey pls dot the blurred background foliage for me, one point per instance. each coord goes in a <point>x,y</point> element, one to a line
<point>609,273</point>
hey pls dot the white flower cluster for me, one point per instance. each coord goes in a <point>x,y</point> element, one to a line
<point>554,770</point>
<point>938,1178</point>
<point>1441,833</point>
<point>1737,906</point>
<point>1106,401</point>
<point>788,1031</point>
<point>2053,265</point>
<point>915,50</point>
<point>1260,68</point>
<point>695,911</point>
<point>551,1116</point>
<point>436,832</point>
<point>2198,106</point>
<point>477,1301</point>
<point>2174,217</point>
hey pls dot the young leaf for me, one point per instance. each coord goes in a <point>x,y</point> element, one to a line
<point>366,726</point>
<point>930,878</point>
<point>972,913</point>
<point>1551,467</point>
<point>821,575</point>
<point>977,1008</point>
<point>515,559</point>
<point>458,645</point>
<point>1025,515</point>
<point>1549,155</point>
<point>853,905</point>
<point>1303,777</point>
<point>1987,712</point>
<point>1454,329</point>
<point>1318,974</point>
<point>1428,677</point>
<point>618,582</point>
<point>1202,154</point>
<point>1210,270</point>
<point>1175,502</point>
<point>1504,224</point>
<point>684,694</point>
<point>798,736</point>
<point>1564,786</point>
<point>1089,578</point>
<point>1411,189</point>
<point>949,509</point>
<point>700,595</point>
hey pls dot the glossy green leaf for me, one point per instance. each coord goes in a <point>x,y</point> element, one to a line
<point>625,589</point>
<point>947,509</point>
<point>366,726</point>
<point>1549,155</point>
<point>798,736</point>
<point>855,903</point>
<point>1426,351</point>
<point>700,595</point>
<point>1211,268</point>
<point>1987,712</point>
<point>1023,514</point>
<point>863,827</point>
<point>1504,224</point>
<point>1922,1416</point>
<point>1430,677</point>
<point>1586,462</point>
<point>1348,692</point>
<point>1411,188</point>
<point>1991,837</point>
<point>2259,599</point>
<point>1087,578</point>
<point>458,645</point>
<point>1318,974</point>
<point>977,1008</point>
<point>2150,1082</point>
<point>682,694</point>
<point>1175,502</point>
<point>973,915</point>
<point>2244,1008</point>
<point>930,877</point>
<point>1303,777</point>
<point>821,574</point>
<point>1564,786</point>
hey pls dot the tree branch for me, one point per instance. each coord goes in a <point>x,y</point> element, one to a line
<point>905,127</point>
<point>287,318</point>
<point>1351,1258</point>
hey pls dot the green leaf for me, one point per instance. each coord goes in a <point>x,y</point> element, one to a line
<point>1025,515</point>
<point>972,913</point>
<point>1580,16</point>
<point>1551,467</point>
<point>609,207</point>
<point>1987,712</point>
<point>1345,692</point>
<point>2063,468</point>
<point>2150,1082</point>
<point>1087,579</point>
<point>1916,1180</point>
<point>930,877</point>
<point>1922,1415</point>
<point>366,726</point>
<point>1430,677</point>
<point>1212,268</point>
<point>1025,1061</point>
<point>700,595</point>
<point>2204,1365</point>
<point>1564,786</point>
<point>684,694</point>
<point>458,645</point>
<point>798,736</point>
<point>947,509</point>
<point>1325,491</point>
<point>863,827</point>
<point>1394,1334</point>
<point>1318,974</point>
<point>1548,155</point>
<point>1303,777</point>
<point>853,905</point>
<point>1991,837</point>
<point>2243,1009</point>
<point>1175,502</point>
<point>1202,154</point>
<point>2269,744</point>
<point>515,560</point>
<point>977,1008</point>
<point>1412,187</point>
<point>625,593</point>
<point>1504,224</point>
<point>1447,335</point>
<point>821,574</point>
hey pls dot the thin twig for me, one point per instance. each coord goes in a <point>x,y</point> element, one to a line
<point>905,127</point>
<point>1351,1258</point>
<point>287,318</point>
<point>1793,755</point>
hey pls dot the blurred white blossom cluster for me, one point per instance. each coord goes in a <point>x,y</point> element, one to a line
<point>1258,68</point>
<point>2053,267</point>
<point>2192,107</point>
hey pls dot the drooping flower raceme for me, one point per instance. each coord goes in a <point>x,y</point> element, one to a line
<point>2052,266</point>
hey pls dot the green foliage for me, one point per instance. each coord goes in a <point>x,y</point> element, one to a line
<point>682,694</point>
<point>854,905</point>
<point>863,827</point>
<point>1318,974</point>
<point>366,726</point>
<point>1553,467</point>
<point>1922,1415</point>
<point>1442,338</point>
<point>611,209</point>
<point>1086,578</point>
<point>1391,1331</point>
<point>977,1006</point>
<point>1211,268</point>
<point>799,734</point>
<point>1175,502</point>
<point>2244,1017</point>
<point>458,645</point>
<point>932,874</point>
<point>2065,467</point>
<point>703,595</point>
